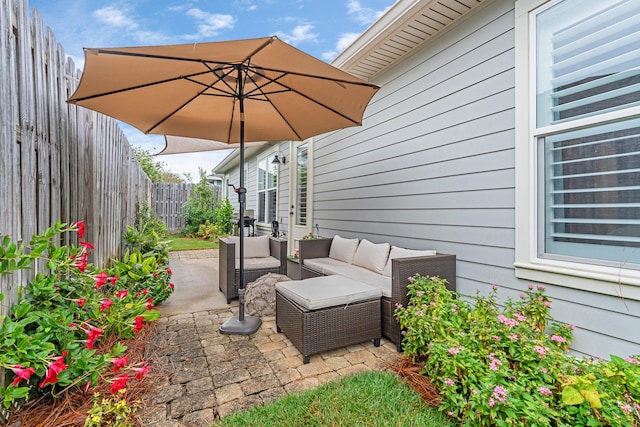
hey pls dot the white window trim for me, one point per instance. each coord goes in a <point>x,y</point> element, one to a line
<point>617,281</point>
<point>266,156</point>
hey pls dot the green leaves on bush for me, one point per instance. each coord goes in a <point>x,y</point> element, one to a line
<point>200,207</point>
<point>508,366</point>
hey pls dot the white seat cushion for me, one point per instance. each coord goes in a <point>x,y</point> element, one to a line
<point>326,291</point>
<point>254,247</point>
<point>259,263</point>
<point>372,256</point>
<point>343,249</point>
<point>397,252</point>
<point>329,266</point>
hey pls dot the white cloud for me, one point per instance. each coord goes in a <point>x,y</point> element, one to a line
<point>209,24</point>
<point>114,17</point>
<point>300,33</point>
<point>363,15</point>
<point>344,42</point>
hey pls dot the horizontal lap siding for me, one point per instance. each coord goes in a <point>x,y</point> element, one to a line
<point>433,167</point>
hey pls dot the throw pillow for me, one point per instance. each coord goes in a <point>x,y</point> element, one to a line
<point>343,249</point>
<point>372,256</point>
<point>397,252</point>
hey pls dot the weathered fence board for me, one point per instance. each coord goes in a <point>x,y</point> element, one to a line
<point>59,161</point>
<point>167,199</point>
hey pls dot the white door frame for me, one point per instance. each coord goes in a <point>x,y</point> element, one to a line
<point>297,231</point>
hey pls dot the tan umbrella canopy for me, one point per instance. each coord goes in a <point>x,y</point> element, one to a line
<point>232,92</point>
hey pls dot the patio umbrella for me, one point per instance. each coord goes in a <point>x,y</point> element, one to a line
<point>233,92</point>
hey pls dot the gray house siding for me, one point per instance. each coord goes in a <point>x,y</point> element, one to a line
<point>433,168</point>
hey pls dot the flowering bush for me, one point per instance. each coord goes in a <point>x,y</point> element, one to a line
<point>49,340</point>
<point>310,236</point>
<point>507,366</point>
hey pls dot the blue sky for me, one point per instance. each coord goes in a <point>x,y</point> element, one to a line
<point>320,28</point>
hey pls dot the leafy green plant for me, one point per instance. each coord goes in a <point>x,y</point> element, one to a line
<point>140,274</point>
<point>224,216</point>
<point>509,366</point>
<point>148,233</point>
<point>49,341</point>
<point>208,231</point>
<point>111,411</point>
<point>200,207</point>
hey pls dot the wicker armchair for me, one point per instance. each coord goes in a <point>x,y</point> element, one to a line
<point>442,265</point>
<point>229,275</point>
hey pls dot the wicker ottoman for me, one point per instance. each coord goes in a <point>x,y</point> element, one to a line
<point>328,312</point>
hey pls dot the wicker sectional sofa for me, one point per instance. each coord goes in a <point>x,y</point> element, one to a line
<point>367,262</point>
<point>262,255</point>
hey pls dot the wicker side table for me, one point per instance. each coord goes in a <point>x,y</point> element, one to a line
<point>318,328</point>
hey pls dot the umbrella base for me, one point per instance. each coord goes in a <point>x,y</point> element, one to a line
<point>235,326</point>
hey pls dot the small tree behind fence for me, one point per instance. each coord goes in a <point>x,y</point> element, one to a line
<point>58,161</point>
<point>167,199</point>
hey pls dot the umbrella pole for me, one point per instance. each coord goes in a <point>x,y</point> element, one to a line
<point>241,325</point>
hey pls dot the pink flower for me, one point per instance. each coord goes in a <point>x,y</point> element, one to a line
<point>93,334</point>
<point>542,351</point>
<point>119,362</point>
<point>143,369</point>
<point>101,279</point>
<point>81,228</point>
<point>492,402</point>
<point>530,287</point>
<point>87,245</point>
<point>547,304</point>
<point>119,383</point>
<point>113,279</point>
<point>520,317</point>
<point>572,327</point>
<point>419,293</point>
<point>496,338</point>
<point>507,321</point>
<point>410,279</point>
<point>558,338</point>
<point>544,391</point>
<point>55,367</point>
<point>513,337</point>
<point>494,287</point>
<point>106,303</point>
<point>541,288</point>
<point>522,296</point>
<point>543,370</point>
<point>122,293</point>
<point>80,301</point>
<point>455,350</point>
<point>449,382</point>
<point>632,360</point>
<point>495,364</point>
<point>22,373</point>
<point>500,393</point>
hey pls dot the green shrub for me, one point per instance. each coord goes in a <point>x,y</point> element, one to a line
<point>200,207</point>
<point>508,366</point>
<point>224,216</point>
<point>49,340</point>
<point>208,231</point>
<point>147,234</point>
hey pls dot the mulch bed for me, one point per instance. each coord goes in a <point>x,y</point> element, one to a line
<point>71,405</point>
<point>409,371</point>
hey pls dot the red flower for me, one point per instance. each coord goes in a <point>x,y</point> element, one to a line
<point>106,303</point>
<point>149,303</point>
<point>114,279</point>
<point>169,271</point>
<point>101,279</point>
<point>80,301</point>
<point>138,325</point>
<point>92,335</point>
<point>81,229</point>
<point>22,373</point>
<point>143,369</point>
<point>87,245</point>
<point>171,285</point>
<point>55,367</point>
<point>119,383</point>
<point>81,264</point>
<point>145,291</point>
<point>122,293</point>
<point>119,362</point>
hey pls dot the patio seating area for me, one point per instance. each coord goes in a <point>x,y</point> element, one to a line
<point>211,375</point>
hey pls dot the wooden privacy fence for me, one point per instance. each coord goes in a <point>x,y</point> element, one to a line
<point>57,161</point>
<point>167,199</point>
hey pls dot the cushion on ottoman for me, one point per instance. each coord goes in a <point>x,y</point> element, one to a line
<point>327,291</point>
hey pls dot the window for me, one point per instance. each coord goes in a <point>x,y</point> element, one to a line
<point>301,185</point>
<point>583,68</point>
<point>267,190</point>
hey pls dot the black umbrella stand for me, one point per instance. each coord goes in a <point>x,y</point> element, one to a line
<point>241,325</point>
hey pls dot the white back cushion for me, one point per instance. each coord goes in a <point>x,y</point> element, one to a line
<point>254,247</point>
<point>397,252</point>
<point>343,249</point>
<point>372,256</point>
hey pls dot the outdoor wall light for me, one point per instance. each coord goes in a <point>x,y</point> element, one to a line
<point>279,161</point>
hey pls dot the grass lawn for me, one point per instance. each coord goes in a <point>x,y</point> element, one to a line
<point>180,243</point>
<point>367,399</point>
